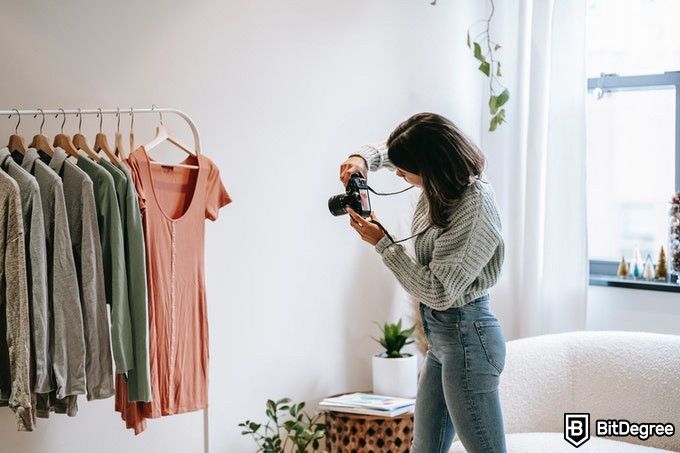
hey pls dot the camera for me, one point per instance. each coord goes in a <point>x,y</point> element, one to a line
<point>355,196</point>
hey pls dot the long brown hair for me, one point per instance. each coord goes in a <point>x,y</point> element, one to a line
<point>435,149</point>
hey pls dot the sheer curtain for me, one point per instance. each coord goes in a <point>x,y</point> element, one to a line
<point>537,166</point>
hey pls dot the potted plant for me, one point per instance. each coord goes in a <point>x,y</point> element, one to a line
<point>395,373</point>
<point>288,429</point>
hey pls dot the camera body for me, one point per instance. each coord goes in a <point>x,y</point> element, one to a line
<point>355,196</point>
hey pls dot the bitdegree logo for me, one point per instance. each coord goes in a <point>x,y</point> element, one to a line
<point>623,427</point>
<point>577,428</point>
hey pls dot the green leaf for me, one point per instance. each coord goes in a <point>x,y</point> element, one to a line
<point>503,98</point>
<point>498,70</point>
<point>497,119</point>
<point>494,123</point>
<point>484,67</point>
<point>468,39</point>
<point>493,104</point>
<point>501,116</point>
<point>478,52</point>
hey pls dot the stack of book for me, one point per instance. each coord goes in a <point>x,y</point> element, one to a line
<point>369,404</point>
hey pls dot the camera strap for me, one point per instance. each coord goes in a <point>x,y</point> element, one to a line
<point>400,240</point>
<point>382,227</point>
<point>411,237</point>
<point>388,193</point>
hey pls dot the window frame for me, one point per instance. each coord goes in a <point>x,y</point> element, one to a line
<point>602,271</point>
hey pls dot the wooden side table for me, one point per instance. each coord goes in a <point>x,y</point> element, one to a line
<point>358,433</point>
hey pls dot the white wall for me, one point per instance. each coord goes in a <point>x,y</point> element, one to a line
<point>631,309</point>
<point>281,92</point>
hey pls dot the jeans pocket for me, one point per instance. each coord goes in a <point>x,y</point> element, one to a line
<point>493,341</point>
<point>448,316</point>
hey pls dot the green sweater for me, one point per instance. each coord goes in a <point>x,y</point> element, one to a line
<point>453,265</point>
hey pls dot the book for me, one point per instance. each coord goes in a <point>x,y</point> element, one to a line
<point>370,400</point>
<point>365,411</point>
<point>369,404</point>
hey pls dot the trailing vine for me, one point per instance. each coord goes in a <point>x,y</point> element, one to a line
<point>490,67</point>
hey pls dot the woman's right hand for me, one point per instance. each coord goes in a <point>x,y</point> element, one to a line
<point>352,166</point>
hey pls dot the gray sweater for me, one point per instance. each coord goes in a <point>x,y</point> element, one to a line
<point>453,265</point>
<point>14,322</point>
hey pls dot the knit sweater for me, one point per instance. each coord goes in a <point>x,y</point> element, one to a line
<point>453,265</point>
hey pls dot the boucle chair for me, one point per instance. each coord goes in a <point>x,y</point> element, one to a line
<point>609,374</point>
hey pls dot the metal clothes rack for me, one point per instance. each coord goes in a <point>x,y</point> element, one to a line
<point>118,112</point>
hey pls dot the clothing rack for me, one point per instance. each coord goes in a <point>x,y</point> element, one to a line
<point>118,112</point>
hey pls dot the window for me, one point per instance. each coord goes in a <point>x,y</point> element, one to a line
<point>632,37</point>
<point>633,128</point>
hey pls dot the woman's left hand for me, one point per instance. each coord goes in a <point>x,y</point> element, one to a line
<point>369,232</point>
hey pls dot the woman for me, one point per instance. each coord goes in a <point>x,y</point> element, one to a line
<point>459,254</point>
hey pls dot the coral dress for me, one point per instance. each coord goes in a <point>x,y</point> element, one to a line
<point>174,201</point>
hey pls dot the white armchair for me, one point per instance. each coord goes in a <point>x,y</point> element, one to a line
<point>609,374</point>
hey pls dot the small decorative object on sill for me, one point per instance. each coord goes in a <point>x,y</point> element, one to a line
<point>622,271</point>
<point>648,272</point>
<point>661,269</point>
<point>674,237</point>
<point>636,264</point>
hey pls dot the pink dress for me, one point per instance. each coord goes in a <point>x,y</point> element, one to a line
<point>175,201</point>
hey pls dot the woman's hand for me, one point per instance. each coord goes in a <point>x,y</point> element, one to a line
<point>351,166</point>
<point>369,232</point>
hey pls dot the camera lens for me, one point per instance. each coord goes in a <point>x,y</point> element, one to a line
<point>337,204</point>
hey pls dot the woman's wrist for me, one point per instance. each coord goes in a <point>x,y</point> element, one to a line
<point>382,244</point>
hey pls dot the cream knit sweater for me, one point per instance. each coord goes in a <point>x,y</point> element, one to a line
<point>453,265</point>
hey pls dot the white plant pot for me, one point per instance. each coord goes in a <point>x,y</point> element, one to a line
<point>395,377</point>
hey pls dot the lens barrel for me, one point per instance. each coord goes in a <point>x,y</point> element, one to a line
<point>337,204</point>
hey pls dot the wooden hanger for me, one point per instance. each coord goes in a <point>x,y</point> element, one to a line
<point>101,143</point>
<point>40,142</point>
<point>80,141</point>
<point>132,130</point>
<point>163,134</point>
<point>16,141</point>
<point>63,141</point>
<point>119,148</point>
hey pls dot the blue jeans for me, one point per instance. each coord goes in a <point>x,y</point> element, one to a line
<point>458,388</point>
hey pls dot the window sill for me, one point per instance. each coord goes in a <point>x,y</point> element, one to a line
<point>616,282</point>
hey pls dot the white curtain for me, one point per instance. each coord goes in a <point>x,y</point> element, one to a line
<point>537,165</point>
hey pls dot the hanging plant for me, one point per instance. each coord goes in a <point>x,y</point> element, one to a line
<point>483,50</point>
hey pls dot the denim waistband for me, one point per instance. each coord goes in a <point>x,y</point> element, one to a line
<point>480,299</point>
